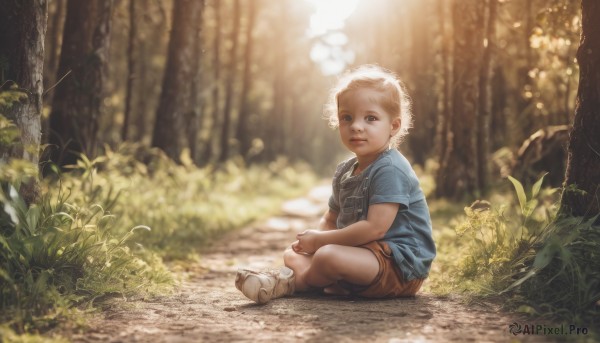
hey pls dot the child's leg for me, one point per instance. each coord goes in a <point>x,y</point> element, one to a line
<point>332,263</point>
<point>299,263</point>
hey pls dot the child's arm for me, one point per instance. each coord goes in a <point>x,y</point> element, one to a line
<point>379,219</point>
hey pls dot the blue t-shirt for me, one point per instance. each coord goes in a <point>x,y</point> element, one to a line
<point>389,179</point>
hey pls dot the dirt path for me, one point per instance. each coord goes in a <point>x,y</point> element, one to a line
<point>208,308</point>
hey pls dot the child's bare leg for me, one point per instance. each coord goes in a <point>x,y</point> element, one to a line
<point>332,263</point>
<point>299,264</point>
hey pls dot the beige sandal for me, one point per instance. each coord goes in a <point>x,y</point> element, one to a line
<point>262,286</point>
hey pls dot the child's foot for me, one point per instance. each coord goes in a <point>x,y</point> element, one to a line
<point>264,286</point>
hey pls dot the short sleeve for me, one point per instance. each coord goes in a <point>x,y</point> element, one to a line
<point>334,199</point>
<point>390,185</point>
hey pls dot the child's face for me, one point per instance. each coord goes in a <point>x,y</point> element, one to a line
<point>365,127</point>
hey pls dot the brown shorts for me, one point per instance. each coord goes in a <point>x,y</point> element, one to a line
<point>389,282</point>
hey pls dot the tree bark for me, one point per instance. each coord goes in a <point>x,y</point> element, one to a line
<point>446,104</point>
<point>22,32</point>
<point>55,29</point>
<point>197,107</point>
<point>141,108</point>
<point>523,118</point>
<point>485,97</point>
<point>77,102</point>
<point>583,166</point>
<point>174,106</point>
<point>458,170</point>
<point>131,65</point>
<point>216,65</point>
<point>226,128</point>
<point>423,104</point>
<point>275,140</point>
<point>242,131</point>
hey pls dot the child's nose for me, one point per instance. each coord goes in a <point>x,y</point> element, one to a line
<point>356,126</point>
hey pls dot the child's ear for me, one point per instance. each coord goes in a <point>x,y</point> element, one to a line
<point>396,124</point>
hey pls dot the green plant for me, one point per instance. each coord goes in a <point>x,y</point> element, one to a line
<point>562,277</point>
<point>548,265</point>
<point>75,245</point>
<point>187,207</point>
<point>500,239</point>
<point>56,254</point>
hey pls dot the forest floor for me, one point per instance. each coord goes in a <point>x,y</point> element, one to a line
<point>206,306</point>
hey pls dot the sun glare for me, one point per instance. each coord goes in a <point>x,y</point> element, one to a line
<point>330,15</point>
<point>326,22</point>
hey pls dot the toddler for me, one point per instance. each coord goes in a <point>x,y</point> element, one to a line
<point>375,239</point>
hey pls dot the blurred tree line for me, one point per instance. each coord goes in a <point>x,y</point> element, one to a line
<point>493,82</point>
<point>214,78</point>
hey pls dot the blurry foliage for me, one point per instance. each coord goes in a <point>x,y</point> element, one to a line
<point>9,335</point>
<point>9,132</point>
<point>556,38</point>
<point>185,206</point>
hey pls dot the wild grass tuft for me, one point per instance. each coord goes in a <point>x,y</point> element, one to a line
<point>185,206</point>
<point>562,278</point>
<point>544,264</point>
<point>488,241</point>
<point>56,254</point>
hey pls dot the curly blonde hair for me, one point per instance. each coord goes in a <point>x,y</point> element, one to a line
<point>395,100</point>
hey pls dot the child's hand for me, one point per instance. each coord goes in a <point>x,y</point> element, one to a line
<point>297,249</point>
<point>307,242</point>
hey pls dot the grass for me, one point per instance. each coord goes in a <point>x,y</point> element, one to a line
<point>56,255</point>
<point>186,207</point>
<point>105,227</point>
<point>539,264</point>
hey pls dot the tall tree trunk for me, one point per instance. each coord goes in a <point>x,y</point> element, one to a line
<point>55,29</point>
<point>242,131</point>
<point>523,119</point>
<point>225,129</point>
<point>419,140</point>
<point>446,104</point>
<point>274,142</point>
<point>76,107</point>
<point>216,65</point>
<point>22,32</point>
<point>583,166</point>
<point>141,108</point>
<point>174,104</point>
<point>197,108</point>
<point>130,70</point>
<point>485,97</point>
<point>458,170</point>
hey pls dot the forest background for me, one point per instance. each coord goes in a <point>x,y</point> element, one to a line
<point>176,114</point>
